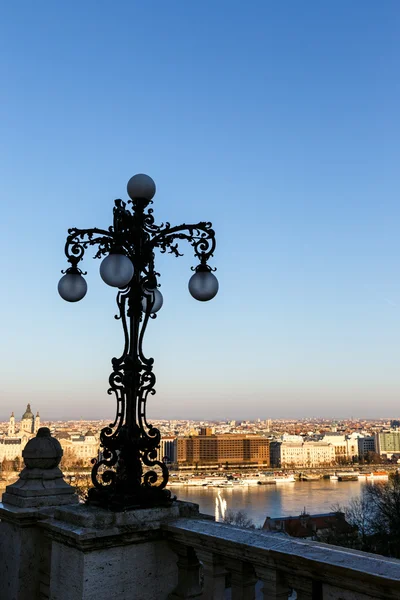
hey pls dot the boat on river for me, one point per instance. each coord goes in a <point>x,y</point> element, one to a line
<point>225,483</point>
<point>348,476</point>
<point>285,479</point>
<point>258,480</point>
<point>374,476</point>
<point>310,477</point>
<point>195,481</point>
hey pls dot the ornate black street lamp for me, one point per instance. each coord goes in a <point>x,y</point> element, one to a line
<point>128,474</point>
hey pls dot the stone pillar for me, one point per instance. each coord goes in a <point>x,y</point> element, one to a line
<point>25,503</point>
<point>97,554</point>
<point>214,576</point>
<point>275,586</point>
<point>306,588</point>
<point>243,579</point>
<point>188,585</point>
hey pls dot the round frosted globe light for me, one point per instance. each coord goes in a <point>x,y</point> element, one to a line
<point>156,299</point>
<point>203,285</point>
<point>72,287</point>
<point>141,186</point>
<point>116,270</point>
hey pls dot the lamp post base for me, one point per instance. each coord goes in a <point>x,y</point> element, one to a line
<point>118,501</point>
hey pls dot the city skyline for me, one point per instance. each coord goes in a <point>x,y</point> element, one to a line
<point>277,123</point>
<point>334,418</point>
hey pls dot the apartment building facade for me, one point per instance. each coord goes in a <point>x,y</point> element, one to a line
<point>222,450</point>
<point>302,454</point>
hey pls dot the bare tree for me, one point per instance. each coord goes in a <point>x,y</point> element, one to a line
<point>82,485</point>
<point>69,459</point>
<point>238,518</point>
<point>375,517</point>
<point>384,505</point>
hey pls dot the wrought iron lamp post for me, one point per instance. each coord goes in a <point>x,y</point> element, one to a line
<point>128,474</point>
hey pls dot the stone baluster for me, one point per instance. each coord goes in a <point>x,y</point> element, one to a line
<point>275,586</point>
<point>304,595</point>
<point>188,573</point>
<point>214,575</point>
<point>243,579</point>
<point>306,588</point>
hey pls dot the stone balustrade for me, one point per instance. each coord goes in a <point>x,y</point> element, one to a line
<point>54,548</point>
<point>217,561</point>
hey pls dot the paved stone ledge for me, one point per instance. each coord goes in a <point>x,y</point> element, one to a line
<point>89,528</point>
<point>359,572</point>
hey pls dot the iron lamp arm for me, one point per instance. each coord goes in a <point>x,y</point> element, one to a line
<point>78,240</point>
<point>200,235</point>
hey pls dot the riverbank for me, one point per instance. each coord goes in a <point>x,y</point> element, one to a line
<point>225,478</point>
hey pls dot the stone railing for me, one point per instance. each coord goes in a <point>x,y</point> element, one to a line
<point>218,561</point>
<point>54,548</point>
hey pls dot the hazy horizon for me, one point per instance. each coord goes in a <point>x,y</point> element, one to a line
<point>155,417</point>
<point>279,123</point>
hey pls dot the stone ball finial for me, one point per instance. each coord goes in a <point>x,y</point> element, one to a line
<point>42,451</point>
<point>43,432</point>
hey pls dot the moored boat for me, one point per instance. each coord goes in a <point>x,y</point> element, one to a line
<point>198,481</point>
<point>250,480</point>
<point>310,477</point>
<point>375,476</point>
<point>222,484</point>
<point>348,476</point>
<point>285,479</point>
<point>267,481</point>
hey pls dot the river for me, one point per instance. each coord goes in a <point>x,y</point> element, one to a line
<point>279,500</point>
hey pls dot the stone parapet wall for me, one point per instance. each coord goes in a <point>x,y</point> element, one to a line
<point>282,564</point>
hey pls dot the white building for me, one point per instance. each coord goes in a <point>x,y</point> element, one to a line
<point>302,454</point>
<point>352,444</point>
<point>81,446</point>
<point>12,444</point>
<point>346,446</point>
<point>290,437</point>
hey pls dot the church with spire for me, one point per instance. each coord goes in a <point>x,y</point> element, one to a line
<point>12,443</point>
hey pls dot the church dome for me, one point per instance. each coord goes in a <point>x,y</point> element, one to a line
<point>28,414</point>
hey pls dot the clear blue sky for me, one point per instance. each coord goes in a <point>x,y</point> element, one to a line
<point>277,121</point>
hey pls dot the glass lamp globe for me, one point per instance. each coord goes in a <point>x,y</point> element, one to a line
<point>72,287</point>
<point>116,270</point>
<point>156,300</point>
<point>203,285</point>
<point>141,186</point>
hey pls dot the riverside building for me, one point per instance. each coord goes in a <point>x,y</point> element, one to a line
<point>81,446</point>
<point>222,450</point>
<point>302,454</point>
<point>167,450</point>
<point>387,443</point>
<point>346,446</point>
<point>366,444</point>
